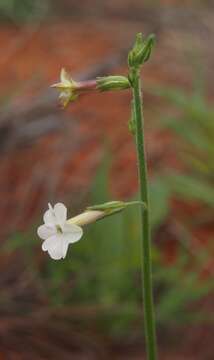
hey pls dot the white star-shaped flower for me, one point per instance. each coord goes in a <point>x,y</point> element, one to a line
<point>57,232</point>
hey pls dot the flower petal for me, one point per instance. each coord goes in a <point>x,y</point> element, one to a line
<point>60,212</point>
<point>64,76</point>
<point>54,246</point>
<point>65,245</point>
<point>49,218</point>
<point>72,232</point>
<point>44,232</point>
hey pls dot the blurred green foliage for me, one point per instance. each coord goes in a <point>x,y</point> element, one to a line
<point>194,130</point>
<point>23,11</point>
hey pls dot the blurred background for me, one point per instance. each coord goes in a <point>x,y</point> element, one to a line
<point>89,306</point>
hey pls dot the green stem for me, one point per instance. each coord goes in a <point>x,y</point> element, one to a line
<point>149,320</point>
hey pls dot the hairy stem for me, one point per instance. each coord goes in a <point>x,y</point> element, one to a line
<point>149,320</point>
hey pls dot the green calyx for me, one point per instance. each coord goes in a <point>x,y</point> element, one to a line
<point>114,82</point>
<point>141,50</point>
<point>113,207</point>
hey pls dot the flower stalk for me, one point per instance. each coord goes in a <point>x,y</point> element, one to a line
<point>137,114</point>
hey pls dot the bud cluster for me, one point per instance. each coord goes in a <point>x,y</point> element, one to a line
<point>141,50</point>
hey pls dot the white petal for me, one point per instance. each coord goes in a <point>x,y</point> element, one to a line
<point>55,254</point>
<point>54,246</point>
<point>72,232</point>
<point>44,232</point>
<point>49,218</point>
<point>51,241</point>
<point>60,212</point>
<point>65,245</point>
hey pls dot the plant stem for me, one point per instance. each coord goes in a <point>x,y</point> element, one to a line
<point>149,319</point>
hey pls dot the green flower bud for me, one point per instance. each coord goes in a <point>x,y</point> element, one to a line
<point>114,82</point>
<point>141,50</point>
